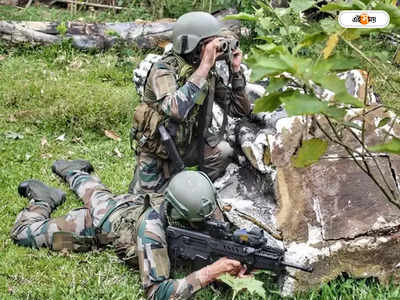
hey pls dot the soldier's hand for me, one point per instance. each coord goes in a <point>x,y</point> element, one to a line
<point>210,52</point>
<point>220,267</point>
<point>237,59</point>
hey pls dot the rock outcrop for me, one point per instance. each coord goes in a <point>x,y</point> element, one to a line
<point>331,215</point>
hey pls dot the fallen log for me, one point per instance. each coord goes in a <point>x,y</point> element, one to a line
<point>87,4</point>
<point>143,34</point>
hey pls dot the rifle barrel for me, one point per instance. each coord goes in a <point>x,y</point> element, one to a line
<point>300,267</point>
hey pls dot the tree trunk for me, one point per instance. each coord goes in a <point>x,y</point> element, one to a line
<point>143,34</point>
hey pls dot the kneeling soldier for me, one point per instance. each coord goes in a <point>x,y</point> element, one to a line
<point>134,224</point>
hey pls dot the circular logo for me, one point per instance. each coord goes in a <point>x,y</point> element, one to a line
<point>364,19</point>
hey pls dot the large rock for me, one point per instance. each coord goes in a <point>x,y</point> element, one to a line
<point>330,215</point>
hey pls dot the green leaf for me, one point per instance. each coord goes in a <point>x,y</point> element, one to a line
<point>263,65</point>
<point>303,104</point>
<point>252,285</point>
<point>330,26</point>
<point>393,11</point>
<point>366,2</point>
<point>340,5</point>
<point>391,147</point>
<point>300,5</point>
<point>262,271</point>
<point>62,28</point>
<point>335,112</point>
<point>354,33</point>
<point>271,48</point>
<point>383,122</point>
<point>281,12</point>
<point>276,83</point>
<point>241,16</point>
<point>340,63</point>
<point>309,153</point>
<point>311,39</point>
<point>268,103</point>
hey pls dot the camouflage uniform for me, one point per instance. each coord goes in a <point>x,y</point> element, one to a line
<point>176,93</point>
<point>137,228</point>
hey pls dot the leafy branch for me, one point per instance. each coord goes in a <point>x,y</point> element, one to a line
<point>313,77</point>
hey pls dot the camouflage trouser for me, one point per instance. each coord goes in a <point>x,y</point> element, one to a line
<point>150,171</point>
<point>34,228</point>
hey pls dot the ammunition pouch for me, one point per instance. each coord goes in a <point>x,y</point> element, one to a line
<point>238,81</point>
<point>145,131</point>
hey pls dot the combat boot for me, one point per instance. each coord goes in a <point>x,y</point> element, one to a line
<point>63,168</point>
<point>37,190</point>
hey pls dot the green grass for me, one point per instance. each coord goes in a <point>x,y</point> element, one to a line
<point>43,13</point>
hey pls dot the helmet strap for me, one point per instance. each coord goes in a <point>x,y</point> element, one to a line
<point>193,58</point>
<point>184,43</point>
<point>181,223</point>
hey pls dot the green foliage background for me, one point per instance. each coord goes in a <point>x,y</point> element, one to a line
<point>47,92</point>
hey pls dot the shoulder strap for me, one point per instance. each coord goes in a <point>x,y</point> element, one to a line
<point>205,119</point>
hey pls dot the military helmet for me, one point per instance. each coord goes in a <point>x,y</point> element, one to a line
<point>191,195</point>
<point>191,28</point>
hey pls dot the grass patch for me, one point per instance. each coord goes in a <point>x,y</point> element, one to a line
<point>43,13</point>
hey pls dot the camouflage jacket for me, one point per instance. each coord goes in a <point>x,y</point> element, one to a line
<point>177,93</point>
<point>142,242</point>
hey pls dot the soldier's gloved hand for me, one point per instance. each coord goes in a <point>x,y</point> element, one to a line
<point>221,266</point>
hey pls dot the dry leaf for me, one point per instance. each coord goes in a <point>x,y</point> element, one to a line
<point>117,152</point>
<point>46,155</point>
<point>2,57</point>
<point>12,118</point>
<point>330,45</point>
<point>112,135</point>
<point>43,142</point>
<point>23,113</point>
<point>76,64</point>
<point>64,252</point>
<point>10,290</point>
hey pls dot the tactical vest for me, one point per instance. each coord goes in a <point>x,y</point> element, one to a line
<point>149,115</point>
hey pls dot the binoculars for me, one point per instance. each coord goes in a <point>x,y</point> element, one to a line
<point>228,45</point>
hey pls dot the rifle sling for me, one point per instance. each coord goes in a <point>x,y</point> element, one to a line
<point>206,115</point>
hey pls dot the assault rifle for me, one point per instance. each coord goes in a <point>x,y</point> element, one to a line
<point>248,247</point>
